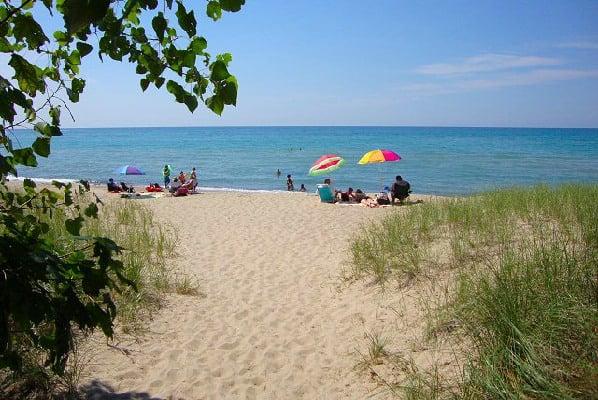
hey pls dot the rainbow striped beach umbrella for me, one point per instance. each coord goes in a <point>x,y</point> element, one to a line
<point>325,164</point>
<point>379,156</point>
<point>129,170</point>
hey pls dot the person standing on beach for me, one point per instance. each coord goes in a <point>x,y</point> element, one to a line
<point>290,186</point>
<point>166,173</point>
<point>193,179</point>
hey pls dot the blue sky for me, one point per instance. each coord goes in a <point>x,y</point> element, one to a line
<point>430,63</point>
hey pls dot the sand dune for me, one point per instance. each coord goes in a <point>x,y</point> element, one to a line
<point>276,320</point>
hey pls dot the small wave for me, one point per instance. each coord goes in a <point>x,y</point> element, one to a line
<point>40,180</point>
<point>202,188</point>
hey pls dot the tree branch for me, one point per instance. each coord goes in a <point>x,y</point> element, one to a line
<point>13,11</point>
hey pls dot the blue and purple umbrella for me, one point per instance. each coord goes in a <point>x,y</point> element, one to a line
<point>129,170</point>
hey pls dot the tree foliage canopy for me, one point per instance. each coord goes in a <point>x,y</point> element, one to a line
<point>44,290</point>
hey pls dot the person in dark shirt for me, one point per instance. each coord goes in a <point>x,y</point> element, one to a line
<point>400,190</point>
<point>290,186</point>
<point>113,187</point>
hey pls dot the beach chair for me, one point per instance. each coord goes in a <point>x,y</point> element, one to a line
<point>325,193</point>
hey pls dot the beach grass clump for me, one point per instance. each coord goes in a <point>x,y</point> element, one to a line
<point>147,244</point>
<point>525,289</point>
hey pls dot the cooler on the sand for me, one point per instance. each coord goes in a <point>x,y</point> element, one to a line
<point>325,193</point>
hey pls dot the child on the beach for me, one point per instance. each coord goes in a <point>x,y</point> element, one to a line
<point>290,186</point>
<point>302,188</point>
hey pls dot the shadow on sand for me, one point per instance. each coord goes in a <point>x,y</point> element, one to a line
<point>97,390</point>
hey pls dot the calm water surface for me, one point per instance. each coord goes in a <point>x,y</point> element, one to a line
<point>435,160</point>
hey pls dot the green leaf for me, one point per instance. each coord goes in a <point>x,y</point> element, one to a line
<point>27,29</point>
<point>84,48</point>
<point>159,24</point>
<point>26,75</point>
<point>188,59</point>
<point>231,5</point>
<point>191,102</point>
<point>75,90</point>
<point>55,115</point>
<point>229,93</point>
<point>226,58</point>
<point>139,35</point>
<point>91,210</point>
<point>201,87</point>
<point>198,45</point>
<point>74,225</point>
<point>219,71</point>
<point>62,38</point>
<point>80,14</point>
<point>28,183</point>
<point>25,157</point>
<point>186,19</point>
<point>177,90</point>
<point>46,129</point>
<point>214,10</point>
<point>74,58</point>
<point>144,84</point>
<point>41,146</point>
<point>215,104</point>
<point>68,194</point>
<point>26,4</point>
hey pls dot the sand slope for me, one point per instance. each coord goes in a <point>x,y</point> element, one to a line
<point>276,321</point>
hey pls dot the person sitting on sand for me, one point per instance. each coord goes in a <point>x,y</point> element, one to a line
<point>290,186</point>
<point>113,187</point>
<point>382,197</point>
<point>345,196</point>
<point>370,203</point>
<point>181,191</point>
<point>328,182</point>
<point>302,188</point>
<point>400,190</point>
<point>174,185</point>
<point>359,196</point>
<point>189,185</point>
<point>182,177</point>
<point>127,189</point>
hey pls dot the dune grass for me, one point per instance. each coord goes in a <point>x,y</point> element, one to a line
<point>148,244</point>
<point>525,296</point>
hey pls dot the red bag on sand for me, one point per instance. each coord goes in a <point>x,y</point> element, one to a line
<point>182,191</point>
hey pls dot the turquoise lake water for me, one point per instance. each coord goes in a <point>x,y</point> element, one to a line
<point>447,161</point>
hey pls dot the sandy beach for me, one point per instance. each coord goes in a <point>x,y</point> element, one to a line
<point>275,318</point>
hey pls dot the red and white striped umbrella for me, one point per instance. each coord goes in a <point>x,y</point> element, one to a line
<point>326,163</point>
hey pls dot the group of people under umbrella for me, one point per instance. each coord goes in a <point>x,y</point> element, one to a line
<point>399,190</point>
<point>181,185</point>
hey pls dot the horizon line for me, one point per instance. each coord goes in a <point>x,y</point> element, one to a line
<point>329,126</point>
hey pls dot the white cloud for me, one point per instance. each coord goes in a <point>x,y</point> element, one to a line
<point>587,45</point>
<point>486,63</point>
<point>534,77</point>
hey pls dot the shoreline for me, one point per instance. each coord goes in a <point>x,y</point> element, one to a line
<point>208,189</point>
